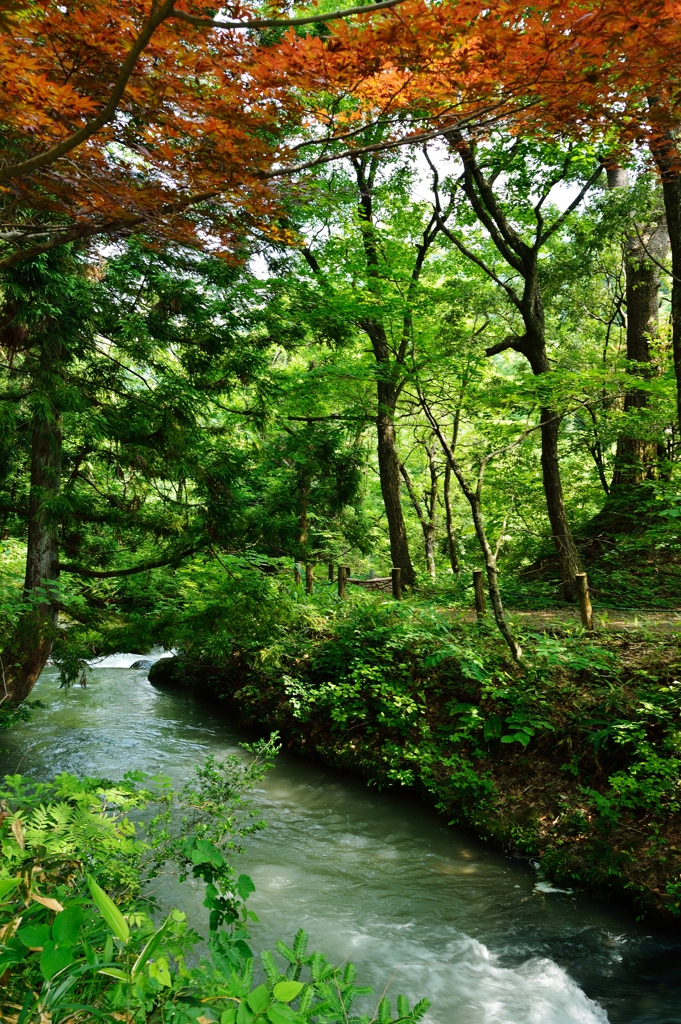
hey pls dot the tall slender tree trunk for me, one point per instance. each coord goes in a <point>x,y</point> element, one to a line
<point>668,159</point>
<point>429,544</point>
<point>568,556</point>
<point>524,259</point>
<point>30,647</point>
<point>645,246</point>
<point>389,473</point>
<point>533,346</point>
<point>425,510</point>
<point>447,491</point>
<point>303,512</point>
<point>449,521</point>
<point>473,496</point>
<point>387,393</point>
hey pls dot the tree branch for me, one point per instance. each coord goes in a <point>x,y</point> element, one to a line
<point>413,495</point>
<point>311,19</point>
<point>486,206</point>
<point>77,570</point>
<point>511,341</point>
<point>571,208</point>
<point>34,163</point>
<point>511,292</point>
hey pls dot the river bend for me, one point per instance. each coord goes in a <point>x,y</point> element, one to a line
<point>376,878</point>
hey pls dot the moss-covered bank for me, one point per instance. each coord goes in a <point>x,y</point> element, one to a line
<point>575,758</point>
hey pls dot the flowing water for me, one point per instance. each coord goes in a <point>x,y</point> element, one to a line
<point>376,878</point>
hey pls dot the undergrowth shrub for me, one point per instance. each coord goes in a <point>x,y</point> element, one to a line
<point>81,938</point>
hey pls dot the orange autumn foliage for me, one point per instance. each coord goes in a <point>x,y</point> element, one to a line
<point>189,127</point>
<point>191,143</point>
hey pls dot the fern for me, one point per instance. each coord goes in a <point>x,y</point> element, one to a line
<point>383,1014</point>
<point>271,970</point>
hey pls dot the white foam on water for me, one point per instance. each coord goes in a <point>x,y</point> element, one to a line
<point>480,991</point>
<point>540,992</point>
<point>125,660</point>
<point>546,888</point>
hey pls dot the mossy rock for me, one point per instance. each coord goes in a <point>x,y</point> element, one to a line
<point>170,673</point>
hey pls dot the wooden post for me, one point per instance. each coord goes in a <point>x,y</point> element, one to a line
<point>296,574</point>
<point>332,574</point>
<point>396,576</point>
<point>582,588</point>
<point>479,587</point>
<point>342,576</point>
<point>309,578</point>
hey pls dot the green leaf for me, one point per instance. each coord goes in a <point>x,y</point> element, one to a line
<point>160,972</point>
<point>492,727</point>
<point>282,1015</point>
<point>34,934</point>
<point>151,946</point>
<point>12,952</point>
<point>285,991</point>
<point>259,999</point>
<point>109,911</point>
<point>207,853</point>
<point>115,972</point>
<point>53,959</point>
<point>244,1014</point>
<point>229,1016</point>
<point>243,950</point>
<point>244,886</point>
<point>66,925</point>
<point>8,885</point>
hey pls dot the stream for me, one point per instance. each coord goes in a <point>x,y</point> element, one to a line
<point>377,878</point>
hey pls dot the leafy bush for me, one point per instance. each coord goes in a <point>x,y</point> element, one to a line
<point>78,939</point>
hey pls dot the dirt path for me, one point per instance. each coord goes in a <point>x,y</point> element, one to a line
<point>663,621</point>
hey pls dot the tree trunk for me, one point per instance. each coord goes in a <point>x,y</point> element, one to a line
<point>389,472</point>
<point>30,647</point>
<point>388,459</point>
<point>668,160</point>
<point>533,346</point>
<point>303,511</point>
<point>637,456</point>
<point>568,556</point>
<point>473,496</point>
<point>426,513</point>
<point>449,520</point>
<point>524,259</point>
<point>429,542</point>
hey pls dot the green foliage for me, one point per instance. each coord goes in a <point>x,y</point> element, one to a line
<point>202,842</point>
<point>67,946</point>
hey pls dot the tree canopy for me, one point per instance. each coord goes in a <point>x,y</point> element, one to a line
<point>318,285</point>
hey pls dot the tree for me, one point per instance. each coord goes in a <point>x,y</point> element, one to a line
<point>645,247</point>
<point>390,240</point>
<point>110,457</point>
<point>425,505</point>
<point>508,230</point>
<point>145,424</point>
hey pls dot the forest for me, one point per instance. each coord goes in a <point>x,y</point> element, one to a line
<point>340,362</point>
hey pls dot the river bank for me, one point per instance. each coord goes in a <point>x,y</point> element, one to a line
<point>572,760</point>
